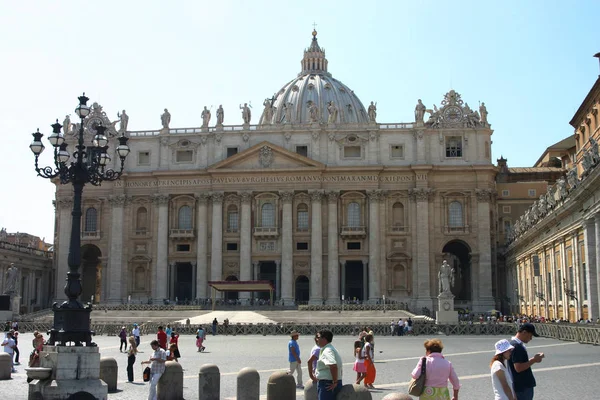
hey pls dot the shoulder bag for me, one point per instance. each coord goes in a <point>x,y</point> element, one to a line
<point>416,386</point>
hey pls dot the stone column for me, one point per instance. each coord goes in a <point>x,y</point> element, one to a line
<point>246,240</point>
<point>316,249</point>
<point>202,246</point>
<point>423,289</point>
<point>485,300</point>
<point>115,260</point>
<point>374,289</point>
<point>216,258</point>
<point>591,233</point>
<point>333,276</point>
<point>162,248</point>
<point>343,280</point>
<point>287,248</point>
<point>64,208</point>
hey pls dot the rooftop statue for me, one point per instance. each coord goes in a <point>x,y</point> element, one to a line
<point>562,188</point>
<point>372,112</point>
<point>333,112</point>
<point>220,115</point>
<point>246,114</point>
<point>314,111</point>
<point>287,110</point>
<point>483,113</point>
<point>165,119</point>
<point>420,111</point>
<point>67,124</point>
<point>267,116</point>
<point>572,178</point>
<point>205,117</point>
<point>123,121</point>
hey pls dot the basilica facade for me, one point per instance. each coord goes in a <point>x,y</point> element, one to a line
<point>318,197</point>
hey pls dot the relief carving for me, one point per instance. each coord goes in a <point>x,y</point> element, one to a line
<point>316,196</point>
<point>202,198</point>
<point>483,195</point>
<point>246,197</point>
<point>422,194</point>
<point>333,196</point>
<point>286,196</point>
<point>161,199</point>
<point>216,197</point>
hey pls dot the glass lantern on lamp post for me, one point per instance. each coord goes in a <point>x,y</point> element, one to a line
<point>89,164</point>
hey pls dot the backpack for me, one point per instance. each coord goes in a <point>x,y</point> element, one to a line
<point>146,374</point>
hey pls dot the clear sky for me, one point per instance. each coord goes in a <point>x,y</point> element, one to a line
<point>529,61</point>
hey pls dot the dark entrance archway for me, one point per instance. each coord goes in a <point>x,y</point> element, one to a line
<point>302,289</point>
<point>183,281</point>
<point>354,281</point>
<point>267,271</point>
<point>91,273</point>
<point>231,295</point>
<point>458,254</point>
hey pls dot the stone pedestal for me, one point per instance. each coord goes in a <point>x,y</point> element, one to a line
<point>446,313</point>
<point>75,369</point>
<point>15,305</point>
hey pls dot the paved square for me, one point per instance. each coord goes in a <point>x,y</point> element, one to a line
<point>570,370</point>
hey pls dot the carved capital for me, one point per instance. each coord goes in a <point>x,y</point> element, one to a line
<point>315,135</point>
<point>421,194</point>
<point>286,196</point>
<point>164,141</point>
<point>161,199</point>
<point>374,136</point>
<point>118,200</point>
<point>483,195</point>
<point>202,198</point>
<point>216,197</point>
<point>333,196</point>
<point>64,203</point>
<point>246,197</point>
<point>316,196</point>
<point>374,196</point>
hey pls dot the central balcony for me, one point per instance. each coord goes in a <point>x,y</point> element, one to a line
<point>350,232</point>
<point>182,233</point>
<point>266,232</point>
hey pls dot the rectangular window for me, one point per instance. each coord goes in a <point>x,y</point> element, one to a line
<point>531,192</point>
<point>185,156</point>
<point>232,246</point>
<point>183,247</point>
<point>351,151</point>
<point>302,220</point>
<point>506,209</point>
<point>232,221</point>
<point>231,151</point>
<point>454,147</point>
<point>507,227</point>
<point>505,193</point>
<point>397,151</point>
<point>302,150</point>
<point>353,246</point>
<point>144,158</point>
<point>302,246</point>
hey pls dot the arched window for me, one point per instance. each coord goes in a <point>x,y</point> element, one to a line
<point>185,218</point>
<point>141,220</point>
<point>455,215</point>
<point>91,220</point>
<point>268,215</point>
<point>398,214</point>
<point>353,214</point>
<point>302,213</point>
<point>232,219</point>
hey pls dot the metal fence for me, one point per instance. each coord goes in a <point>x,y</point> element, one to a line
<point>570,332</point>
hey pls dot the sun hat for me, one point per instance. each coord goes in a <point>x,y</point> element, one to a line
<point>502,346</point>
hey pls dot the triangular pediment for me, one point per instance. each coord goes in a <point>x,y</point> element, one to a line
<point>265,156</point>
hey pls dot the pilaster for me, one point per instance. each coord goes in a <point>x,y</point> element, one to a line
<point>333,278</point>
<point>484,284</point>
<point>287,273</point>
<point>246,240</point>
<point>316,251</point>
<point>116,248</point>
<point>202,246</point>
<point>216,255</point>
<point>421,197</point>
<point>162,247</point>
<point>591,233</point>
<point>374,289</point>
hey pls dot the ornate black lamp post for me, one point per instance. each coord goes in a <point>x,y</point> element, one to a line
<point>88,165</point>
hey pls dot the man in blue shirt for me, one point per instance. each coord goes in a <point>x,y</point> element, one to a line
<point>520,363</point>
<point>294,358</point>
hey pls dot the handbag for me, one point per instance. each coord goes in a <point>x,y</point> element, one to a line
<point>146,374</point>
<point>416,386</point>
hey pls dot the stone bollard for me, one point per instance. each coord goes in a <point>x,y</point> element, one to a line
<point>109,370</point>
<point>310,390</point>
<point>398,396</point>
<point>354,392</point>
<point>209,382</point>
<point>281,385</point>
<point>248,384</point>
<point>170,384</point>
<point>5,366</point>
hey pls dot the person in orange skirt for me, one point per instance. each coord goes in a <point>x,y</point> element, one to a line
<point>367,353</point>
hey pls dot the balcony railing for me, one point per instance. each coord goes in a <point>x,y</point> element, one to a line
<point>398,229</point>
<point>456,229</point>
<point>90,235</point>
<point>353,231</point>
<point>26,249</point>
<point>141,232</point>
<point>266,231</point>
<point>182,233</point>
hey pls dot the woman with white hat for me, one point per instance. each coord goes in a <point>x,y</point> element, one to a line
<point>501,377</point>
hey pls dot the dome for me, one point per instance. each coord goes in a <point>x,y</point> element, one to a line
<point>313,96</point>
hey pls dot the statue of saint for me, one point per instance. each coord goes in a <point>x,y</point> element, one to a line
<point>267,116</point>
<point>446,277</point>
<point>220,115</point>
<point>483,113</point>
<point>205,117</point>
<point>287,108</point>
<point>10,280</point>
<point>372,112</point>
<point>419,111</point>
<point>165,118</point>
<point>67,125</point>
<point>314,112</point>
<point>124,120</point>
<point>246,114</point>
<point>333,112</point>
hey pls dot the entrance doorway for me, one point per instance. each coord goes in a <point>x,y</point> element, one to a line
<point>91,269</point>
<point>267,271</point>
<point>354,283</point>
<point>458,255</point>
<point>231,296</point>
<point>302,290</point>
<point>183,281</point>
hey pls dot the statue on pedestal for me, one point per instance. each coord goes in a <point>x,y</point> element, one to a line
<point>123,121</point>
<point>246,114</point>
<point>372,112</point>
<point>333,112</point>
<point>165,119</point>
<point>446,277</point>
<point>10,280</point>
<point>205,117</point>
<point>220,115</point>
<point>419,111</point>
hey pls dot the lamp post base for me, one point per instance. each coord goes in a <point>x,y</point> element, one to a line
<point>71,325</point>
